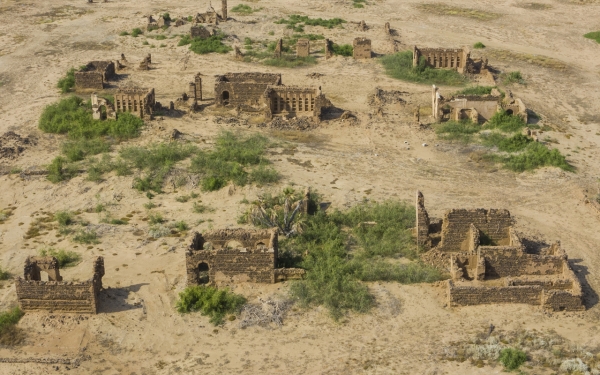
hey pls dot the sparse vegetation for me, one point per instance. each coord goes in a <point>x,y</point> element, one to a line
<point>208,45</point>
<point>9,334</point>
<point>534,156</point>
<point>60,170</point>
<point>4,275</point>
<point>88,237</point>
<point>478,45</point>
<point>290,61</point>
<point>512,77</point>
<point>595,35</point>
<point>244,10</point>
<point>457,130</point>
<point>64,217</point>
<point>297,22</point>
<point>65,258</point>
<point>216,303</point>
<point>400,66</point>
<point>78,149</point>
<point>66,83</point>
<point>229,160</point>
<point>135,32</point>
<point>476,90</point>
<point>359,3</point>
<point>342,50</point>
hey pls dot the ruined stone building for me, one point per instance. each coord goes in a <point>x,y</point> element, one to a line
<point>236,255</point>
<point>189,100</point>
<point>362,48</point>
<point>102,109</point>
<point>477,108</point>
<point>488,262</point>
<point>139,102</point>
<point>54,294</point>
<point>448,58</point>
<point>94,75</point>
<point>211,16</point>
<point>199,31</point>
<point>265,92</point>
<point>303,48</point>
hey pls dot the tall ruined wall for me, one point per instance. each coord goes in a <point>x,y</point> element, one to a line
<point>422,222</point>
<point>60,296</point>
<point>468,295</point>
<point>303,48</point>
<point>89,80</point>
<point>362,48</point>
<point>493,225</point>
<point>230,93</point>
<point>269,78</point>
<point>565,300</point>
<point>233,265</point>
<point>486,106</point>
<point>505,261</point>
<point>302,101</point>
<point>453,58</point>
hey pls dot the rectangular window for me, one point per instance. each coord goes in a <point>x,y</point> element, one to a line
<point>306,104</point>
<point>312,104</point>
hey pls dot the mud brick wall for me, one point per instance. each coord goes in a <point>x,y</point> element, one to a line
<point>493,224</point>
<point>232,265</point>
<point>89,80</point>
<point>422,222</point>
<point>239,93</point>
<point>565,300</point>
<point>468,295</point>
<point>504,261</point>
<point>442,57</point>
<point>362,48</point>
<point>303,48</point>
<point>558,284</point>
<point>75,297</point>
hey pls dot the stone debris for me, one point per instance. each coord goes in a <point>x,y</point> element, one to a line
<point>12,145</point>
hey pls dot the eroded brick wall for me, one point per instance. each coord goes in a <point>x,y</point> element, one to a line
<point>362,48</point>
<point>243,88</point>
<point>56,296</point>
<point>233,265</point>
<point>493,225</point>
<point>468,295</point>
<point>89,80</point>
<point>506,261</point>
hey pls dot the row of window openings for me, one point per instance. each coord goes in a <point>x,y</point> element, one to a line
<point>295,104</point>
<point>127,105</point>
<point>449,61</point>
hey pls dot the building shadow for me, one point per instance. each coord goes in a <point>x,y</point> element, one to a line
<point>332,113</point>
<point>113,300</point>
<point>534,246</point>
<point>590,297</point>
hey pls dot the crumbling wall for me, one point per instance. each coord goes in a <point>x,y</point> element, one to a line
<point>94,75</point>
<point>303,48</point>
<point>493,225</point>
<point>362,48</point>
<point>505,261</point>
<point>294,101</point>
<point>448,58</point>
<point>243,88</point>
<point>199,31</point>
<point>139,102</point>
<point>470,295</point>
<point>60,296</point>
<point>485,105</point>
<point>422,222</point>
<point>565,300</point>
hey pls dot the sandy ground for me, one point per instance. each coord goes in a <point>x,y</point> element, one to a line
<point>138,330</point>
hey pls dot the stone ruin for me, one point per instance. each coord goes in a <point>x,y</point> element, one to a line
<point>102,109</point>
<point>199,31</point>
<point>303,48</point>
<point>278,49</point>
<point>94,75</point>
<point>189,101</point>
<point>12,145</point>
<point>55,294</point>
<point>478,108</point>
<point>236,255</point>
<point>137,101</point>
<point>458,59</point>
<point>489,263</point>
<point>146,62</point>
<point>264,92</point>
<point>362,48</point>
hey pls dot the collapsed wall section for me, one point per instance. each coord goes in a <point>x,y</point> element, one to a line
<point>493,225</point>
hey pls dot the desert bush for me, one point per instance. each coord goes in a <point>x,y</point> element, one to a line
<point>476,90</point>
<point>66,83</point>
<point>4,275</point>
<point>60,170</point>
<point>515,143</point>
<point>512,358</point>
<point>536,155</point>
<point>263,175</point>
<point>9,335</point>
<point>216,303</point>
<point>244,10</point>
<point>65,258</point>
<point>88,237</point>
<point>297,22</point>
<point>290,61</point>
<point>185,40</point>
<point>208,45</point>
<point>595,35</point>
<point>181,226</point>
<point>228,160</point>
<point>359,3</point>
<point>512,77</point>
<point>158,231</point>
<point>381,270</point>
<point>78,149</point>
<point>135,32</point>
<point>400,66</point>
<point>343,50</point>
<point>155,218</point>
<point>200,208</point>
<point>504,122</point>
<point>124,33</point>
<point>64,217</point>
<point>457,130</point>
<point>478,45</point>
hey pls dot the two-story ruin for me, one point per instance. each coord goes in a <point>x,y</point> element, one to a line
<point>264,92</point>
<point>489,263</point>
<point>139,102</point>
<point>94,75</point>
<point>236,255</point>
<point>477,108</point>
<point>54,294</point>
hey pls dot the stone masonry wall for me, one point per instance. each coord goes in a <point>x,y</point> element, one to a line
<point>362,48</point>
<point>493,224</point>
<point>233,265</point>
<point>468,295</point>
<point>56,296</point>
<point>89,80</point>
<point>422,222</point>
<point>506,261</point>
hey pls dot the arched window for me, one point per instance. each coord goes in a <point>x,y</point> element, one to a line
<point>225,96</point>
<point>203,275</point>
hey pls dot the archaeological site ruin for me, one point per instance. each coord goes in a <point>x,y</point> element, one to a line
<point>236,255</point>
<point>54,294</point>
<point>94,75</point>
<point>488,262</point>
<point>362,48</point>
<point>137,101</point>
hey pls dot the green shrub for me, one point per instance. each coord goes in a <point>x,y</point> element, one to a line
<point>515,143</point>
<point>181,226</point>
<point>512,77</point>
<point>123,33</point>
<point>135,32</point>
<point>296,22</point>
<point>536,155</point>
<point>264,175</point>
<point>64,217</point>
<point>595,35</point>
<point>228,160</point>
<point>211,44</point>
<point>400,66</point>
<point>87,237</point>
<point>380,270</point>
<point>478,45</point>
<point>4,275</point>
<point>66,83</point>
<point>156,160</point>
<point>504,122</point>
<point>8,320</point>
<point>155,218</point>
<point>78,149</point>
<point>59,170</point>
<point>65,258</point>
<point>166,17</point>
<point>512,358</point>
<point>185,40</point>
<point>216,303</point>
<point>343,50</point>
<point>150,205</point>
<point>244,10</point>
<point>359,3</point>
<point>476,90</point>
<point>457,130</point>
<point>201,208</point>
